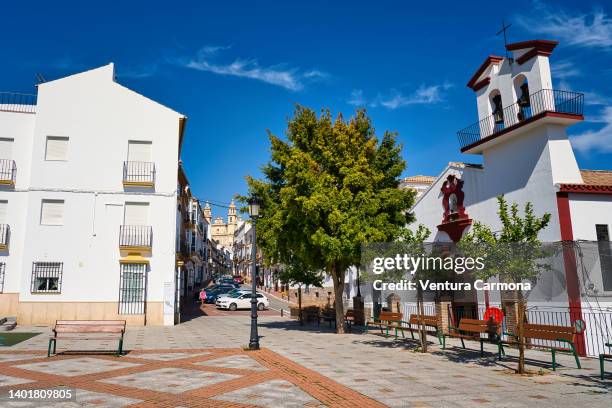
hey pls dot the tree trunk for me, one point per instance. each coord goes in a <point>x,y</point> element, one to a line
<point>421,313</point>
<point>521,338</point>
<point>300,304</point>
<point>338,278</point>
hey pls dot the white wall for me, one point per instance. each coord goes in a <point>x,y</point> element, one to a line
<point>99,116</point>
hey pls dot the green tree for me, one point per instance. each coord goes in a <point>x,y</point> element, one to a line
<point>331,186</point>
<point>513,254</point>
<point>297,273</point>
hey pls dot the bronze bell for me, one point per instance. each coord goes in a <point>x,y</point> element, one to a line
<point>524,101</point>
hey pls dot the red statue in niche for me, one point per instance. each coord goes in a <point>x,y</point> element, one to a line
<point>453,199</point>
<point>455,220</point>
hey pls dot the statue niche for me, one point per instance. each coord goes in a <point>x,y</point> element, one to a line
<point>452,199</point>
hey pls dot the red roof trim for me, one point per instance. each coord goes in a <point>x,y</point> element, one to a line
<point>481,84</point>
<point>586,189</point>
<point>491,59</point>
<point>523,123</point>
<point>543,45</point>
<point>538,47</point>
<point>530,54</point>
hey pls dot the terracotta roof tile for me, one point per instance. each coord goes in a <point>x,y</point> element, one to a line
<point>597,177</point>
<point>419,179</point>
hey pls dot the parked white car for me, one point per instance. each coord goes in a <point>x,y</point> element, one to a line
<point>242,300</point>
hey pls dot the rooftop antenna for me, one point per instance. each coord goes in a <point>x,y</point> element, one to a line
<point>504,28</point>
<point>40,78</point>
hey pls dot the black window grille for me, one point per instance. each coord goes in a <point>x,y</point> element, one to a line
<point>5,233</point>
<point>133,289</point>
<point>8,170</point>
<point>47,277</point>
<point>605,255</point>
<point>138,172</point>
<point>2,267</point>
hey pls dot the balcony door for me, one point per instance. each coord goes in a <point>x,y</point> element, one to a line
<point>136,230</point>
<point>6,148</point>
<point>139,151</point>
<point>136,214</point>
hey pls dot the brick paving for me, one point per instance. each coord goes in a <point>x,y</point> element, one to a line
<point>189,378</point>
<point>311,366</point>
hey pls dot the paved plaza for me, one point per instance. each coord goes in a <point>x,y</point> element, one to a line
<point>201,363</point>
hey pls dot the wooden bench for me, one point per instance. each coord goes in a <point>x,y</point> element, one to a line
<point>328,315</point>
<point>387,320</point>
<point>562,334</point>
<point>471,329</point>
<point>603,357</point>
<point>349,318</point>
<point>429,321</point>
<point>310,313</point>
<point>93,329</point>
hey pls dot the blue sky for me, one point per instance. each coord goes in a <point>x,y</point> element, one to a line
<point>238,68</point>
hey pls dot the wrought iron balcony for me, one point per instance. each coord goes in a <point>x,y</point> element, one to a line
<point>135,237</point>
<point>8,171</point>
<point>5,235</point>
<point>17,102</point>
<point>138,174</point>
<point>539,104</point>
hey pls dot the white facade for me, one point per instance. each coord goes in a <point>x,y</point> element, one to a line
<point>73,151</point>
<point>528,157</point>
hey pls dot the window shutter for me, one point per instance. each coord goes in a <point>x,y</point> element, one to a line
<point>57,148</point>
<point>139,151</point>
<point>52,212</point>
<point>136,214</point>
<point>3,208</point>
<point>6,148</point>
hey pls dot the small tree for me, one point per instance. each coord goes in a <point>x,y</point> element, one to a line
<point>330,187</point>
<point>513,254</point>
<point>410,242</point>
<point>297,273</point>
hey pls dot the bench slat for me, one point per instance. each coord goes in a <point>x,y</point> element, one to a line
<point>88,329</point>
<point>91,322</point>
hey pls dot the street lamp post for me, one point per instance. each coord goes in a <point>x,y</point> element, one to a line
<point>254,206</point>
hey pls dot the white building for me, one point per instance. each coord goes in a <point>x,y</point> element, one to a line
<point>419,184</point>
<point>89,195</point>
<point>527,156</point>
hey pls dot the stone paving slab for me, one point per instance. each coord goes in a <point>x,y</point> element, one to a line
<point>258,378</point>
<point>389,371</point>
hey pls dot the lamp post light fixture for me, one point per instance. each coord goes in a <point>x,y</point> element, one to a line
<point>254,206</point>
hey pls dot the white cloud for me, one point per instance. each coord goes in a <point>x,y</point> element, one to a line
<point>143,71</point>
<point>424,95</point>
<point>592,29</point>
<point>564,69</point>
<point>597,140</point>
<point>288,78</point>
<point>357,98</point>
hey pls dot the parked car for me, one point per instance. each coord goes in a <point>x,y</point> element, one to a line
<point>229,282</point>
<point>241,301</point>
<point>213,294</point>
<point>238,279</point>
<point>241,291</point>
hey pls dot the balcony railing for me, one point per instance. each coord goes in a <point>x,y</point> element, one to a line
<point>17,102</point>
<point>135,237</point>
<point>545,100</point>
<point>137,173</point>
<point>5,235</point>
<point>8,171</point>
